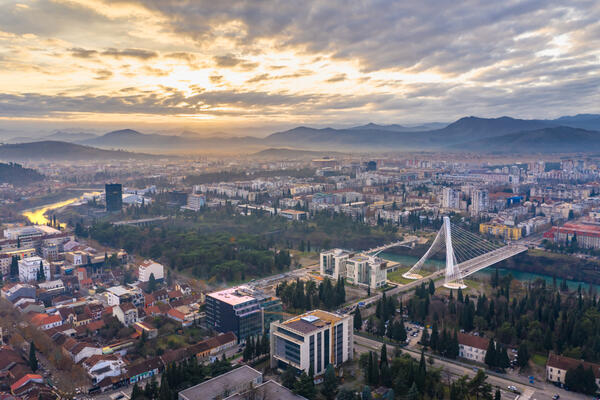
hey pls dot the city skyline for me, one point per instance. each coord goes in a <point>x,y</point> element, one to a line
<point>258,67</point>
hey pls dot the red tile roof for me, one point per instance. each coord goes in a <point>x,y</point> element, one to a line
<point>567,363</point>
<point>24,380</point>
<point>473,341</point>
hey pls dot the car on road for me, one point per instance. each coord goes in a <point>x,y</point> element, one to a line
<point>556,396</point>
<point>513,389</point>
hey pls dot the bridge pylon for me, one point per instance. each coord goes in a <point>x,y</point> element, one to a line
<point>453,278</point>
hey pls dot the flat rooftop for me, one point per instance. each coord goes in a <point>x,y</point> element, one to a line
<point>232,296</point>
<point>215,387</point>
<point>312,321</point>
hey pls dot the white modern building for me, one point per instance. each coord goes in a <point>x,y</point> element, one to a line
<point>316,338</point>
<point>195,202</point>
<point>149,267</point>
<point>357,269</point>
<point>119,294</point>
<point>30,266</point>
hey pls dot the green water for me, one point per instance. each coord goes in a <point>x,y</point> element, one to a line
<point>486,273</point>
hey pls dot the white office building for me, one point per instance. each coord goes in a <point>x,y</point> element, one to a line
<point>30,266</point>
<point>357,269</point>
<point>316,338</point>
<point>195,202</point>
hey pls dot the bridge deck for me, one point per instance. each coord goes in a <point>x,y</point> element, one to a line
<point>483,261</point>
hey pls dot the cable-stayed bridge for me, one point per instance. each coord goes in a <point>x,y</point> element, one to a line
<point>466,253</point>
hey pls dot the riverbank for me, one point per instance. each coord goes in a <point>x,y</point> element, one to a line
<point>37,214</point>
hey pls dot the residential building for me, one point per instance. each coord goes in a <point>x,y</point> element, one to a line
<point>195,202</point>
<point>557,367</point>
<point>294,215</point>
<point>118,294</point>
<point>144,370</point>
<point>29,268</point>
<point>141,327</point>
<point>149,267</point>
<point>504,231</point>
<point>100,366</point>
<point>316,338</point>
<point>333,262</point>
<point>480,201</point>
<point>450,198</point>
<point>126,313</point>
<point>46,321</point>
<point>14,291</point>
<point>234,310</point>
<point>114,196</point>
<point>223,386</point>
<point>472,347</point>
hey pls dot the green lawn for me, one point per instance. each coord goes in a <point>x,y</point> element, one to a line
<point>396,276</point>
<point>539,359</point>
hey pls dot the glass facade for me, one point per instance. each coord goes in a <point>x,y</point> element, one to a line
<point>326,335</point>
<point>319,353</point>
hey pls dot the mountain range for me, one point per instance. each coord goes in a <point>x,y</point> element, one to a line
<point>48,150</point>
<point>505,134</point>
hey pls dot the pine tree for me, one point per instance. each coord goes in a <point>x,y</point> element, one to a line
<point>523,355</point>
<point>288,378</point>
<point>383,356</point>
<point>136,392</point>
<point>357,319</point>
<point>164,392</point>
<point>14,267</point>
<point>41,275</point>
<point>33,362</point>
<point>305,386</point>
<point>431,287</point>
<point>434,339</point>
<point>330,383</point>
<point>498,395</point>
<point>491,358</point>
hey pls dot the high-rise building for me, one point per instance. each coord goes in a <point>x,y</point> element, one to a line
<point>234,310</point>
<point>317,338</point>
<point>480,201</point>
<point>450,198</point>
<point>114,196</point>
<point>359,269</point>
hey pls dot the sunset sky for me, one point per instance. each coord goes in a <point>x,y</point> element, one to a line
<point>225,65</point>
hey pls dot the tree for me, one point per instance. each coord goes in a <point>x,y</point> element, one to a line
<point>498,395</point>
<point>164,392</point>
<point>136,392</point>
<point>330,383</point>
<point>305,386</point>
<point>366,393</point>
<point>33,362</point>
<point>581,379</point>
<point>151,283</point>
<point>347,394</point>
<point>523,355</point>
<point>431,287</point>
<point>288,378</point>
<point>41,275</point>
<point>383,356</point>
<point>357,319</point>
<point>14,267</point>
<point>491,358</point>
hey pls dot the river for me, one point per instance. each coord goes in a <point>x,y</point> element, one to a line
<point>486,273</point>
<point>37,215</point>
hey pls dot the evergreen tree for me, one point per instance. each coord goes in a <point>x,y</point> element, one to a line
<point>41,275</point>
<point>136,392</point>
<point>164,392</point>
<point>330,383</point>
<point>431,287</point>
<point>366,393</point>
<point>151,283</point>
<point>14,267</point>
<point>523,355</point>
<point>434,339</point>
<point>383,356</point>
<point>288,378</point>
<point>305,386</point>
<point>33,362</point>
<point>503,360</point>
<point>491,359</point>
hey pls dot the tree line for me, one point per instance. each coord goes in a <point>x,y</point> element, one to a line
<point>301,296</point>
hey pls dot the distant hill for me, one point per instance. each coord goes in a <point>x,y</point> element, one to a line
<point>584,121</point>
<point>15,174</point>
<point>70,136</point>
<point>56,150</point>
<point>290,153</point>
<point>560,139</point>
<point>400,128</point>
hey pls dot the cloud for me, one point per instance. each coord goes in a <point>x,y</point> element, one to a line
<point>82,53</point>
<point>134,53</point>
<point>337,78</point>
<point>231,61</point>
<point>103,74</point>
<point>216,78</point>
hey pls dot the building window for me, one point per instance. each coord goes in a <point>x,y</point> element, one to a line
<point>319,353</point>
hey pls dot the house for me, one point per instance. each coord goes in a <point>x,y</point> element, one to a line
<point>150,267</point>
<point>100,366</point>
<point>185,315</point>
<point>221,342</point>
<point>144,370</point>
<point>126,313</point>
<point>46,321</point>
<point>557,367</point>
<point>151,331</point>
<point>183,288</point>
<point>81,350</point>
<point>13,291</point>
<point>15,387</point>
<point>95,310</point>
<point>472,347</point>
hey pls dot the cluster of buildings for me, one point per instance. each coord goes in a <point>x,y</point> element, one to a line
<point>359,269</point>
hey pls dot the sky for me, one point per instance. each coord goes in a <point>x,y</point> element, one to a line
<point>255,66</point>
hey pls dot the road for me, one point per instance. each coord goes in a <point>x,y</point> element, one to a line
<point>455,369</point>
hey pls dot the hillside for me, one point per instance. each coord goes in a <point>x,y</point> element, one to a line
<point>561,139</point>
<point>15,174</point>
<point>54,151</point>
